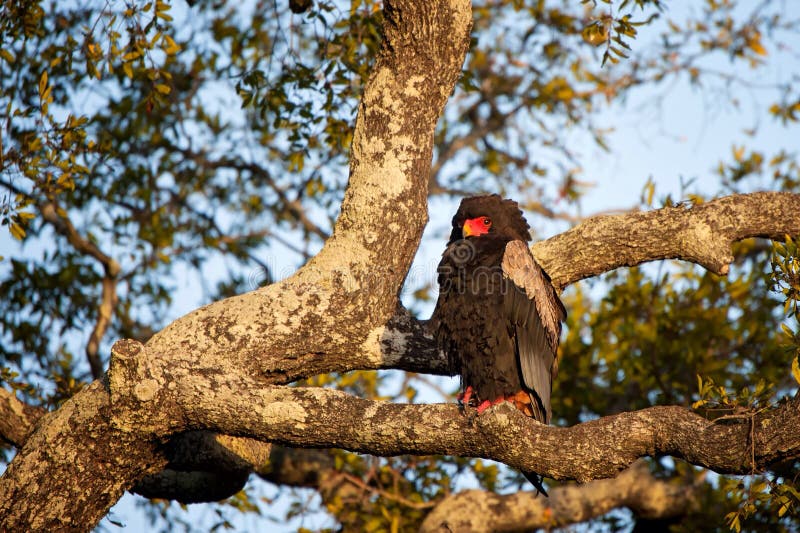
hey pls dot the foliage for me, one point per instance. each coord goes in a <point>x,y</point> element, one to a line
<point>143,142</point>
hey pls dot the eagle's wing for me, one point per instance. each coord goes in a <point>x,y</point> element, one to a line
<point>535,313</point>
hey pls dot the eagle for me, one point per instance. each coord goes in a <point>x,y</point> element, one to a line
<point>498,317</point>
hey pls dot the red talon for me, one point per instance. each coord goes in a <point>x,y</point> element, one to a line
<point>465,396</point>
<point>484,406</point>
<point>488,403</point>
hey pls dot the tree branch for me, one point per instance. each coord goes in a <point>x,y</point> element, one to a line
<point>74,467</point>
<point>63,225</point>
<point>202,467</point>
<point>205,467</point>
<point>635,488</point>
<point>323,418</point>
<point>17,419</point>
<point>111,269</point>
<point>702,234</point>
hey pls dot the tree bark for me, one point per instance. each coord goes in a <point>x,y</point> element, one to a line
<point>17,419</point>
<point>476,511</point>
<point>74,467</point>
<point>323,418</point>
<point>702,234</point>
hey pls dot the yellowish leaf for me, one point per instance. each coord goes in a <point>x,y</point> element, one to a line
<point>595,34</point>
<point>42,84</point>
<point>94,50</point>
<point>756,46</point>
<point>17,231</point>
<point>649,191</point>
<point>171,46</point>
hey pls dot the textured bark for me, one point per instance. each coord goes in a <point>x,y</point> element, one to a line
<point>477,511</point>
<point>73,467</point>
<point>16,419</point>
<point>323,418</point>
<point>702,234</point>
<point>204,467</point>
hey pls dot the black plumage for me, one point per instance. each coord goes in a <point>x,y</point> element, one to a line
<point>498,317</point>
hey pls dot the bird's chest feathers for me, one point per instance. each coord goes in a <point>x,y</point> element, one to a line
<point>472,268</point>
<point>473,290</point>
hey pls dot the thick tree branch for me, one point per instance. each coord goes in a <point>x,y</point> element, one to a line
<point>349,290</point>
<point>309,417</point>
<point>74,467</point>
<point>702,234</point>
<point>205,467</point>
<point>635,488</point>
<point>200,470</point>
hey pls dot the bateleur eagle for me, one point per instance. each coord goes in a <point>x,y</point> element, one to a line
<point>498,317</point>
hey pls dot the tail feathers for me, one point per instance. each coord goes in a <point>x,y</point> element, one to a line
<point>529,404</point>
<point>536,481</point>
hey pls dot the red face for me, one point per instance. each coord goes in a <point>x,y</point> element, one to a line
<point>476,226</point>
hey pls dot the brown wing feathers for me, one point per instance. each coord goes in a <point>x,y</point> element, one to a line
<point>499,317</point>
<point>528,309</point>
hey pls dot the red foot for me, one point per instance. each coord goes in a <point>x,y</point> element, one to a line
<point>488,403</point>
<point>465,396</point>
